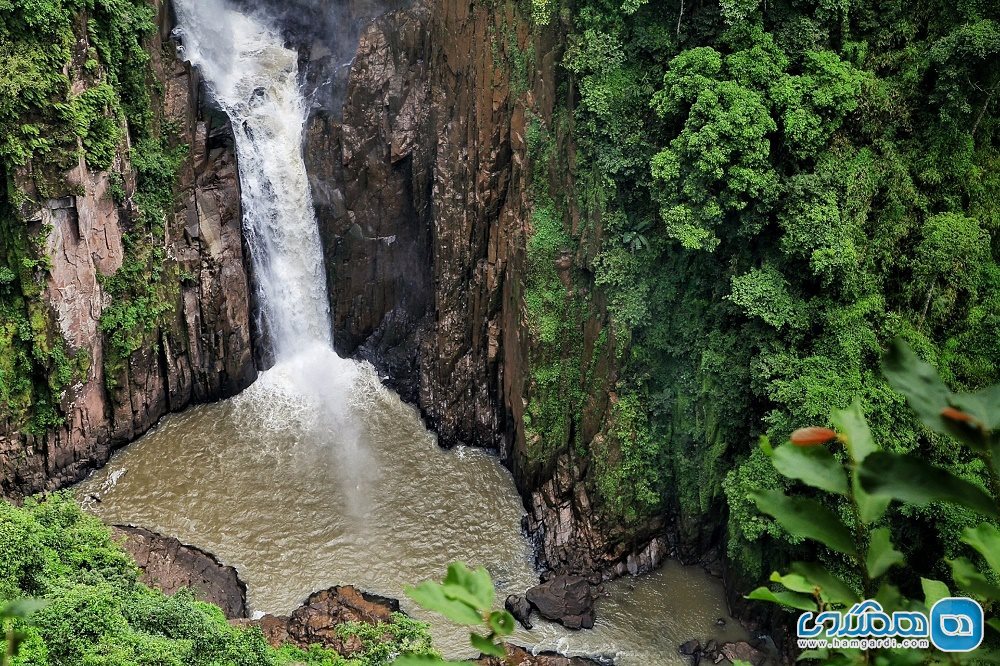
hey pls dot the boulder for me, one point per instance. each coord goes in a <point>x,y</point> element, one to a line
<point>317,619</point>
<point>169,565</point>
<point>690,648</point>
<point>568,600</point>
<point>519,607</point>
<point>742,651</point>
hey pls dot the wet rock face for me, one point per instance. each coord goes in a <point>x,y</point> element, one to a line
<point>413,190</point>
<point>169,565</point>
<point>201,352</point>
<point>568,600</point>
<point>422,185</point>
<point>316,620</point>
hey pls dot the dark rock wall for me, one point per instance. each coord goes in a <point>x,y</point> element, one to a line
<point>202,350</point>
<point>168,565</point>
<point>423,186</point>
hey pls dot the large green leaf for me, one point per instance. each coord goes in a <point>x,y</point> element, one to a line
<point>986,540</point>
<point>910,479</point>
<point>486,646</point>
<point>814,466</point>
<point>806,518</point>
<point>501,622</point>
<point>857,435</point>
<point>790,599</point>
<point>968,578</point>
<point>870,507</point>
<point>984,405</point>
<point>22,608</point>
<point>934,591</point>
<point>881,553</point>
<point>431,596</point>
<point>919,382</point>
<point>928,396</point>
<point>831,588</point>
<point>473,586</point>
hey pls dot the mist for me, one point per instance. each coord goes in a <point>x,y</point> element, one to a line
<point>326,35</point>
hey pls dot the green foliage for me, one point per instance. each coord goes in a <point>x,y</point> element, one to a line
<point>465,596</point>
<point>95,611</point>
<point>879,477</point>
<point>779,190</point>
<point>76,80</point>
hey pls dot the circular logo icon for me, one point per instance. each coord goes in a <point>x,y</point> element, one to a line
<point>956,624</point>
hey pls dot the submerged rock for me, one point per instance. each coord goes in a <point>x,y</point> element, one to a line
<point>568,600</point>
<point>169,565</point>
<point>520,608</point>
<point>691,647</point>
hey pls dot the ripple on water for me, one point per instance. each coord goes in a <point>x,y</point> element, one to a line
<point>301,492</point>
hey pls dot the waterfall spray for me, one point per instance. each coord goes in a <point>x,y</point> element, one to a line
<point>254,78</point>
<point>310,393</point>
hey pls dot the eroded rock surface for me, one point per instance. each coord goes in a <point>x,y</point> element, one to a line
<point>317,619</point>
<point>423,187</point>
<point>169,565</point>
<point>202,349</point>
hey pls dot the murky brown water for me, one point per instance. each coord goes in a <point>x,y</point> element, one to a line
<point>317,476</point>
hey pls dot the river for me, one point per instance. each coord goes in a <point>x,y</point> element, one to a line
<point>317,475</point>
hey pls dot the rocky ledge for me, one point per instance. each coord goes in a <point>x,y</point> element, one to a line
<point>169,565</point>
<point>317,619</point>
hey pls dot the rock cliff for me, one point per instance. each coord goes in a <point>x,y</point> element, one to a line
<point>200,348</point>
<point>426,185</point>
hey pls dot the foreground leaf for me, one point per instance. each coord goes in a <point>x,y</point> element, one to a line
<point>934,591</point>
<point>501,622</point>
<point>857,435</point>
<point>831,588</point>
<point>986,540</point>
<point>473,586</point>
<point>970,580</point>
<point>806,518</point>
<point>881,553</point>
<point>912,480</point>
<point>790,599</point>
<point>486,646</point>
<point>431,596</point>
<point>814,466</point>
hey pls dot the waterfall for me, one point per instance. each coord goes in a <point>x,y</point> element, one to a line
<point>311,400</point>
<point>254,78</point>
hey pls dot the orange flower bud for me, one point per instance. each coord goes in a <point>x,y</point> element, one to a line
<point>956,415</point>
<point>812,436</point>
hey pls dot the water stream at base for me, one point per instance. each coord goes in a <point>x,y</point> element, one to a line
<point>251,481</point>
<point>316,475</point>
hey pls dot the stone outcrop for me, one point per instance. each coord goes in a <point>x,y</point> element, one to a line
<point>316,620</point>
<point>520,608</point>
<point>202,348</point>
<point>568,600</point>
<point>169,565</point>
<point>518,656</point>
<point>423,187</point>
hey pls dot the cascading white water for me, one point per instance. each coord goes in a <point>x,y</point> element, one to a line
<point>311,394</point>
<point>254,78</point>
